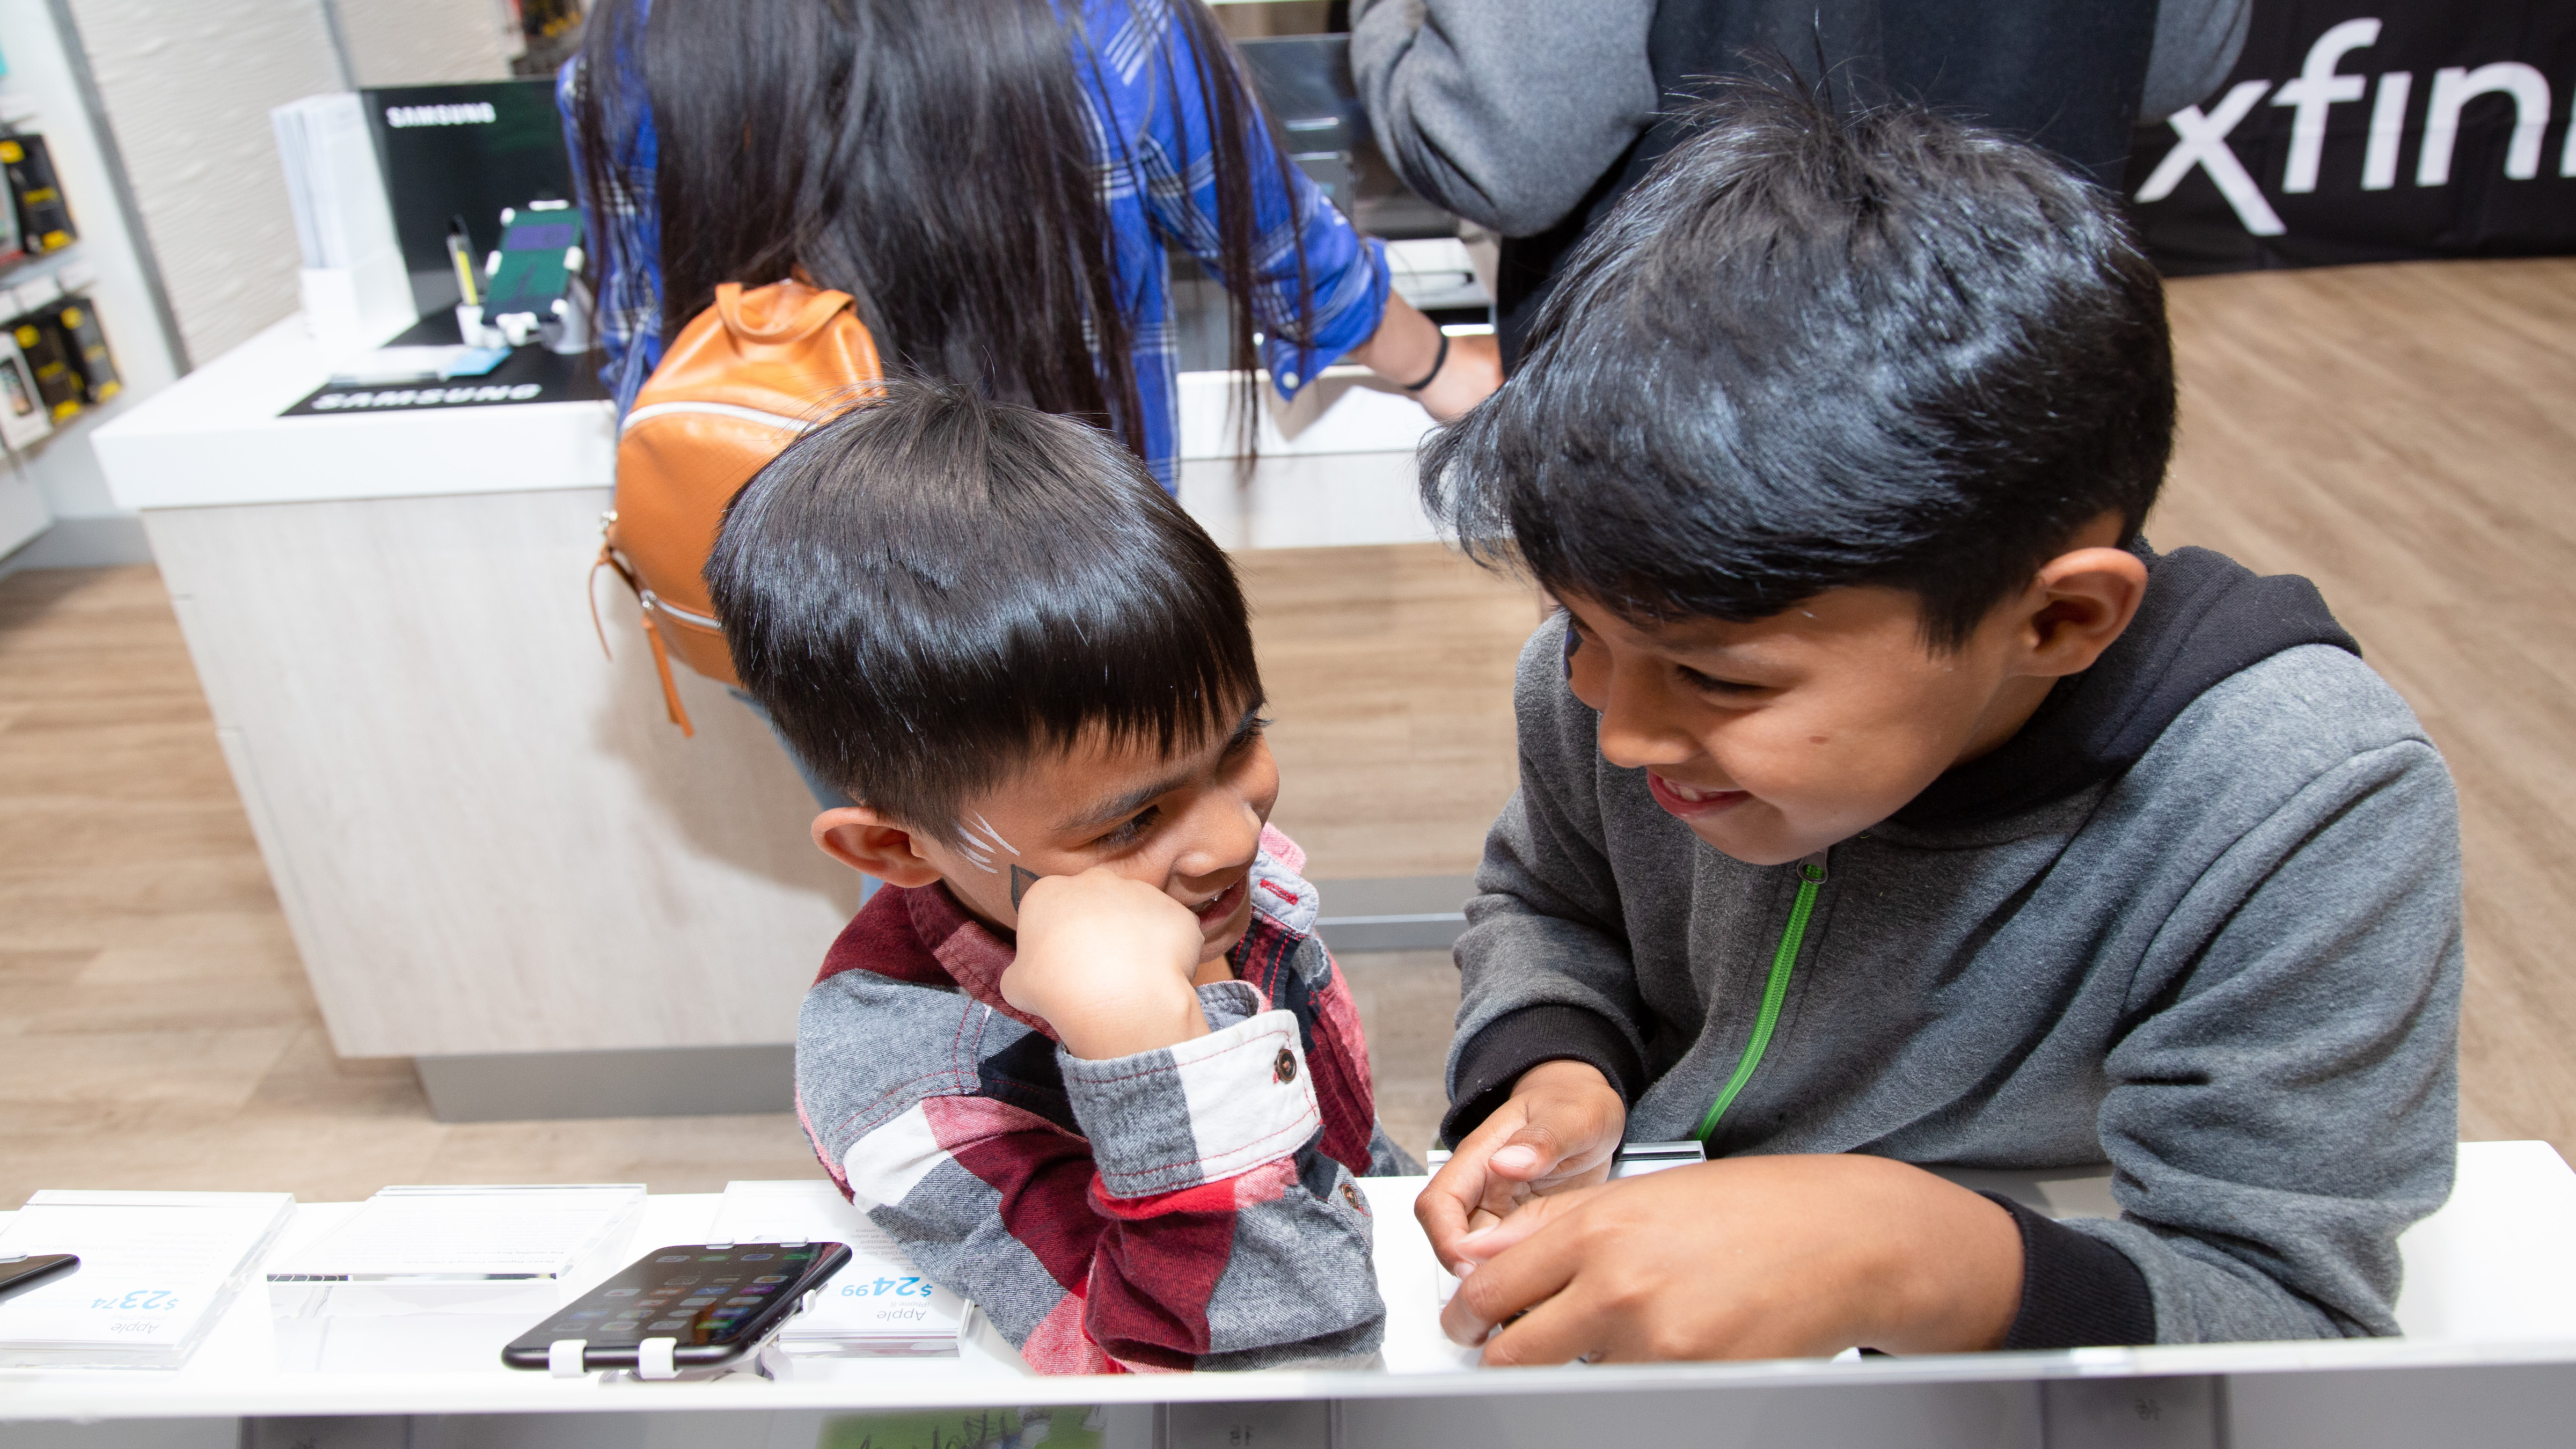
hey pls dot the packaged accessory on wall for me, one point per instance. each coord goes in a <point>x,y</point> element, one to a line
<point>23,419</point>
<point>76,319</point>
<point>44,218</point>
<point>60,389</point>
<point>12,248</point>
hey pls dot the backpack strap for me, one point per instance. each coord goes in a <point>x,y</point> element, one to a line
<point>608,559</point>
<point>810,315</point>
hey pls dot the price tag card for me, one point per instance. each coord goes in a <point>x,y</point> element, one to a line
<point>156,1268</point>
<point>879,1296</point>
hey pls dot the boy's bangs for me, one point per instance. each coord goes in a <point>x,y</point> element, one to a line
<point>929,589</point>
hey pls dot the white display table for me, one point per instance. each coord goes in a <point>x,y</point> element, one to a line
<point>495,854</point>
<point>2490,1290</point>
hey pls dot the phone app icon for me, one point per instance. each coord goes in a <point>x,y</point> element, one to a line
<point>696,1302</point>
<point>758,1257</point>
<point>771,1278</point>
<point>671,1323</point>
<point>621,1292</point>
<point>672,1258</point>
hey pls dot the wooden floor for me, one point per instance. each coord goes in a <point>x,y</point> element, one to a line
<point>2400,434</point>
<point>2404,436</point>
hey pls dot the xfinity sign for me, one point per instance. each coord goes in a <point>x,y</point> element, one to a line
<point>2377,88</point>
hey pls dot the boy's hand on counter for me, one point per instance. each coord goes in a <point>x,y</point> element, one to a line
<point>1749,1257</point>
<point>1557,1132</point>
<point>1107,962</point>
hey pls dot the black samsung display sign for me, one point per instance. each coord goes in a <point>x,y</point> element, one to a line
<point>2362,132</point>
<point>462,152</point>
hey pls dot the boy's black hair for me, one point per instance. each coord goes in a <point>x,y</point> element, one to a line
<point>1814,350</point>
<point>932,586</point>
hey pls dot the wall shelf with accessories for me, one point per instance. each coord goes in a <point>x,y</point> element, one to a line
<point>55,362</point>
<point>86,332</point>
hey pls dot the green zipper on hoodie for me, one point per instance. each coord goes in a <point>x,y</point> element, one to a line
<point>1784,963</point>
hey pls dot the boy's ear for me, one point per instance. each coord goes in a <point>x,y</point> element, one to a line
<point>2086,598</point>
<point>867,842</point>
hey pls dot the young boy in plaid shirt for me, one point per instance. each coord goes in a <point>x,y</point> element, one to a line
<point>1084,1057</point>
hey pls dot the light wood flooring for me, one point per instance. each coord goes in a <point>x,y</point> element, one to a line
<point>2400,434</point>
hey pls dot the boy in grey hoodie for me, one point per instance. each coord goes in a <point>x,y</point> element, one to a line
<point>1887,804</point>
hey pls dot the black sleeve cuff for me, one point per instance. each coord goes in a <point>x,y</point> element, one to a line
<point>2076,1290</point>
<point>1519,1040</point>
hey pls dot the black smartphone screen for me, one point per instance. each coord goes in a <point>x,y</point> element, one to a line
<point>714,1300</point>
<point>17,1275</point>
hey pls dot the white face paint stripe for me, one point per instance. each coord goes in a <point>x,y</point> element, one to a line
<point>997,835</point>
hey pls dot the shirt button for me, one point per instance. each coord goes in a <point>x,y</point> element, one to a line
<point>1285,1068</point>
<point>1288,380</point>
<point>1351,1195</point>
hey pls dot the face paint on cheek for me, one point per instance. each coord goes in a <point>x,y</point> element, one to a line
<point>996,836</point>
<point>1021,879</point>
<point>980,848</point>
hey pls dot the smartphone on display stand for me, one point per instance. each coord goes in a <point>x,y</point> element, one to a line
<point>25,1271</point>
<point>682,1308</point>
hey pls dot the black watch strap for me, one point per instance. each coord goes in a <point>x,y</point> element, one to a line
<point>1436,364</point>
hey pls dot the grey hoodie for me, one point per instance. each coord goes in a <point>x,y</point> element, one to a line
<point>2231,970</point>
<point>1507,111</point>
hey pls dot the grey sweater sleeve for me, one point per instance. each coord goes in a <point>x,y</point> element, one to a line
<point>2197,43</point>
<point>2288,1099</point>
<point>1504,111</point>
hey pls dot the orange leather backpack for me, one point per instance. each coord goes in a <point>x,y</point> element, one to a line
<point>743,380</point>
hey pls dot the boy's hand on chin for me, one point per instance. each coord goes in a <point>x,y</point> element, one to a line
<point>1749,1257</point>
<point>1107,961</point>
<point>1557,1132</point>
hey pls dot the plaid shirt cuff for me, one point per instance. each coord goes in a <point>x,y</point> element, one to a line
<point>1203,1110</point>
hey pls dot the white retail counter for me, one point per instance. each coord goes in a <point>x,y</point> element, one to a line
<point>494,852</point>
<point>2489,1309</point>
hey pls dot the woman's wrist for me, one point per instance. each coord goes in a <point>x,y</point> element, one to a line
<point>1403,348</point>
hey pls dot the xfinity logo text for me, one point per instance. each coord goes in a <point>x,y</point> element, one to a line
<point>468,113</point>
<point>2321,85</point>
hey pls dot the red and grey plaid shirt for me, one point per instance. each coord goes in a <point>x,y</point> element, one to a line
<point>1185,1208</point>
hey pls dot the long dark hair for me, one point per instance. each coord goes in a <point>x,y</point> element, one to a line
<point>932,158</point>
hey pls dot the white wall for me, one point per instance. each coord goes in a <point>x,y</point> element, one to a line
<point>419,42</point>
<point>188,86</point>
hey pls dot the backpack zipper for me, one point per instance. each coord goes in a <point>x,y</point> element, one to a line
<point>655,601</point>
<point>1784,962</point>
<point>737,411</point>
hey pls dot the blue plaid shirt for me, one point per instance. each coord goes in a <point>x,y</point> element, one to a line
<point>1155,144</point>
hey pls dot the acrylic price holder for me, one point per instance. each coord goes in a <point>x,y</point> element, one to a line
<point>157,1269</point>
<point>439,1278</point>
